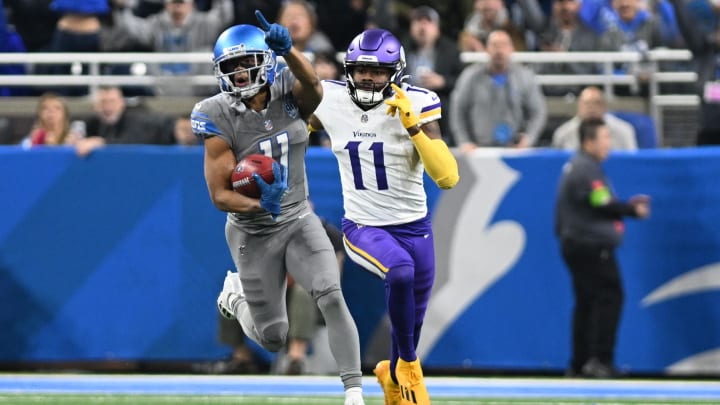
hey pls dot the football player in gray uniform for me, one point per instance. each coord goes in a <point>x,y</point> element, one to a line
<point>262,109</point>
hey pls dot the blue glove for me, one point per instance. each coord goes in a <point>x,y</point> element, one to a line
<point>272,194</point>
<point>276,36</point>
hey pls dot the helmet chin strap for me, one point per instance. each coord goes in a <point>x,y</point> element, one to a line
<point>366,97</point>
<point>369,97</point>
<point>245,94</point>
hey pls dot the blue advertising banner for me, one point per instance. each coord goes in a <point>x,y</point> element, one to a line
<point>121,256</point>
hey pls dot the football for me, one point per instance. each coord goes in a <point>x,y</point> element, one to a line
<point>242,177</point>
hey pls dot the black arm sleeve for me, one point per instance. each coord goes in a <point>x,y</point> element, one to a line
<point>617,208</point>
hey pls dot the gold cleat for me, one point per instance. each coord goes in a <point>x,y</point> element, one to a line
<point>390,389</point>
<point>411,382</point>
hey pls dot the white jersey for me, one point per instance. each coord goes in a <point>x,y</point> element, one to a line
<point>380,170</point>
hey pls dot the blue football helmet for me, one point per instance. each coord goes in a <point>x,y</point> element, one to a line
<point>375,48</point>
<point>242,49</point>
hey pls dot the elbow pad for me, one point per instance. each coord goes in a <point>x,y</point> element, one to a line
<point>439,163</point>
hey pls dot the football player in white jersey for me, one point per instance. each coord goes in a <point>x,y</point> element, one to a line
<point>262,109</point>
<point>385,134</point>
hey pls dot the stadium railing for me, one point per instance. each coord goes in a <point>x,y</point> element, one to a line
<point>138,63</point>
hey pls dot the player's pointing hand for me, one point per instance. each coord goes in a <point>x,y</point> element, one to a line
<point>276,36</point>
<point>402,104</point>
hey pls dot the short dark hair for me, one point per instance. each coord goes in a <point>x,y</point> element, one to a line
<point>588,128</point>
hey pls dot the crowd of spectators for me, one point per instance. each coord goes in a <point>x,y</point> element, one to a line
<point>434,33</point>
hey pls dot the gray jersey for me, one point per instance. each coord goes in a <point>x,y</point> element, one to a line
<point>278,131</point>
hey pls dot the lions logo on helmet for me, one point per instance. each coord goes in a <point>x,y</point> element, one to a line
<point>376,48</point>
<point>243,42</point>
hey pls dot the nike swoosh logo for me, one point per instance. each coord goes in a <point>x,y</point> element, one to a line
<point>303,215</point>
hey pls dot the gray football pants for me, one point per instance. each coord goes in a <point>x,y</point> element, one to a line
<point>301,248</point>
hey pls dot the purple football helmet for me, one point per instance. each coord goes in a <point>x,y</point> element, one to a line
<point>375,48</point>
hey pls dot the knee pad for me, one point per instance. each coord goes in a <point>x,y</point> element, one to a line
<point>274,336</point>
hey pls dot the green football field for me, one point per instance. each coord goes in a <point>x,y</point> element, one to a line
<point>138,389</point>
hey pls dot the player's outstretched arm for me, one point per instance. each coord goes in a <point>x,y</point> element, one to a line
<point>307,89</point>
<point>439,163</point>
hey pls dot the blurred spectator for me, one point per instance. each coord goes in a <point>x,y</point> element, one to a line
<point>10,41</point>
<point>5,131</point>
<point>34,20</point>
<point>640,32</point>
<point>639,26</point>
<point>651,21</point>
<point>146,8</point>
<point>433,60</point>
<point>597,14</point>
<point>698,20</point>
<point>242,360</point>
<point>115,124</point>
<point>179,28</point>
<point>566,32</point>
<point>327,68</point>
<point>592,104</point>
<point>385,14</point>
<point>183,132</point>
<point>453,13</point>
<point>77,30</point>
<point>341,20</point>
<point>299,17</point>
<point>244,10</point>
<point>500,104</point>
<point>488,15</point>
<point>670,34</point>
<point>52,124</point>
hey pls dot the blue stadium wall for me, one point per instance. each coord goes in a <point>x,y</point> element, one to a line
<point>120,256</point>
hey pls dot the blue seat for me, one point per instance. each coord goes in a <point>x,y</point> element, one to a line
<point>645,131</point>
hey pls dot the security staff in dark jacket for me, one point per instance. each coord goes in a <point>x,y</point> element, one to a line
<point>588,222</point>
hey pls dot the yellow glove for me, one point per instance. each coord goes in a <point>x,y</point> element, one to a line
<point>402,102</point>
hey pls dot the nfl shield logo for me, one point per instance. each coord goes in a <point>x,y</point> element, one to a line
<point>268,125</point>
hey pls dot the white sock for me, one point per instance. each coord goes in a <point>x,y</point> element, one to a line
<point>353,396</point>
